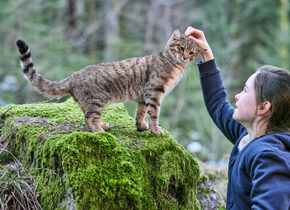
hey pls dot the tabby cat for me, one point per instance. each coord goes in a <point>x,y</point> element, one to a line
<point>142,79</point>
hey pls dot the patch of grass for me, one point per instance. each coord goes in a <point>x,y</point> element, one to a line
<point>16,189</point>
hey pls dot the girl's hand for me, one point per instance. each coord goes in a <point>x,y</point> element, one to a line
<point>199,38</point>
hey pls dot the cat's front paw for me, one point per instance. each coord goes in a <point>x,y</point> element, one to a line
<point>157,132</point>
<point>97,129</point>
<point>105,125</point>
<point>141,127</point>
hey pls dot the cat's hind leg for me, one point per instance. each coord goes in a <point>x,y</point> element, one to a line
<point>140,116</point>
<point>94,122</point>
<point>92,112</point>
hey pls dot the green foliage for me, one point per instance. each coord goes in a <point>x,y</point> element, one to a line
<point>222,207</point>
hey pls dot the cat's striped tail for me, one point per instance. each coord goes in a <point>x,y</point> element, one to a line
<point>45,86</point>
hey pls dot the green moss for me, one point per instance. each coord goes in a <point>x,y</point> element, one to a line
<point>206,190</point>
<point>198,207</point>
<point>202,178</point>
<point>211,175</point>
<point>223,207</point>
<point>118,169</point>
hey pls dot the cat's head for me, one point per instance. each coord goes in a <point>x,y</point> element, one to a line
<point>183,49</point>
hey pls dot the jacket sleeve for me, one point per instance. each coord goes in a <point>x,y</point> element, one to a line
<point>218,107</point>
<point>270,182</point>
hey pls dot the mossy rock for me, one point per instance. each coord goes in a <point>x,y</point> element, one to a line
<point>118,169</point>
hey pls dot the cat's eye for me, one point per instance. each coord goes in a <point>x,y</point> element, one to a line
<point>191,53</point>
<point>182,49</point>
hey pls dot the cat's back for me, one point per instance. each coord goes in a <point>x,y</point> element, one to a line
<point>129,66</point>
<point>128,76</point>
<point>126,67</point>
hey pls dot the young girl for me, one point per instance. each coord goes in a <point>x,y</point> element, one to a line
<point>259,128</point>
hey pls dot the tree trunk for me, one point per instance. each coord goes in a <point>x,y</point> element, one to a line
<point>151,10</point>
<point>284,28</point>
<point>71,18</point>
<point>112,30</point>
<point>91,11</point>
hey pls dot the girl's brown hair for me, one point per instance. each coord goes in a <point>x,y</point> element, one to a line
<point>273,84</point>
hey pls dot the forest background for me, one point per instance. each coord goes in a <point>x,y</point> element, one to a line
<point>66,35</point>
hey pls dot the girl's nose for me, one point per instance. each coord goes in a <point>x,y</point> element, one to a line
<point>237,97</point>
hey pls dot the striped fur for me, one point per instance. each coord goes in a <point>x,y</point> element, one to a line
<point>142,79</point>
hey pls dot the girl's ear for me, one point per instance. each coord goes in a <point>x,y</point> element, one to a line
<point>264,109</point>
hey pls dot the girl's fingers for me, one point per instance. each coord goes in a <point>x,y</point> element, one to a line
<point>192,38</point>
<point>188,31</point>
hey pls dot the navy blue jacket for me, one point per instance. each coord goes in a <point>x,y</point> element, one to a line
<point>259,174</point>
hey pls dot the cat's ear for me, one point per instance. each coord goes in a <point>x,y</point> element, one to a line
<point>176,34</point>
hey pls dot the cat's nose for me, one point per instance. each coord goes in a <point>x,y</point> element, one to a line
<point>186,55</point>
<point>185,58</point>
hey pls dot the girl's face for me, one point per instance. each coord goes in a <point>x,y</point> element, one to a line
<point>246,106</point>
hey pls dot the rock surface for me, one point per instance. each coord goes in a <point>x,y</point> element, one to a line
<point>118,169</point>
